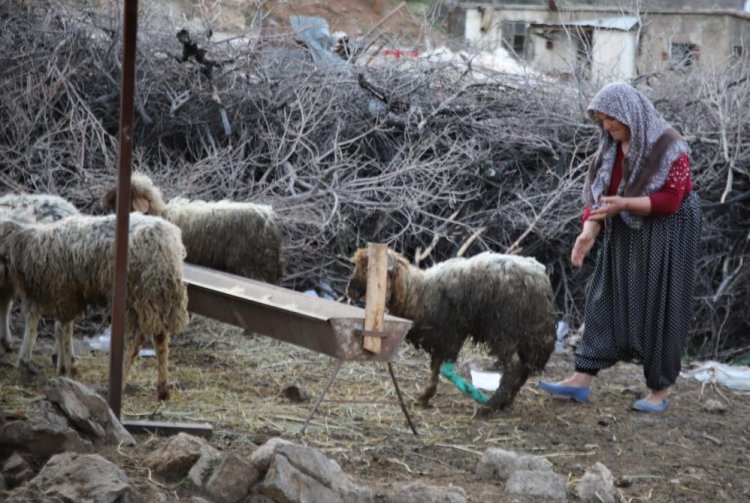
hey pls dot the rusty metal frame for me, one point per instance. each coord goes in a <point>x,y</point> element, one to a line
<point>321,325</point>
<point>127,99</point>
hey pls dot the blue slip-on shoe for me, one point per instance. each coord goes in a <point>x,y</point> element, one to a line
<point>577,393</point>
<point>644,406</point>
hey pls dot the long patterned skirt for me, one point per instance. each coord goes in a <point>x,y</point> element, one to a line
<point>639,301</point>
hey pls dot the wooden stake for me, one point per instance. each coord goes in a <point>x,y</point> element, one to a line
<point>377,273</point>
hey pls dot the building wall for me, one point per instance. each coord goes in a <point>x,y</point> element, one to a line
<point>554,54</point>
<point>661,32</point>
<point>713,38</point>
<point>613,56</point>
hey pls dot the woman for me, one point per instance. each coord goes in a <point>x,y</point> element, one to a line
<point>638,195</point>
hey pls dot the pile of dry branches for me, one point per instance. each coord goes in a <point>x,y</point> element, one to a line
<point>435,159</point>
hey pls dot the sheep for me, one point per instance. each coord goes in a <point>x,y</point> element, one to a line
<point>235,237</point>
<point>63,267</point>
<point>25,208</point>
<point>503,302</point>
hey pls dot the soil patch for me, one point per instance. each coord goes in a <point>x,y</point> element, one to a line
<point>237,381</point>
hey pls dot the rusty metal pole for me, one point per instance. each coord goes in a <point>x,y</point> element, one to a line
<point>127,92</point>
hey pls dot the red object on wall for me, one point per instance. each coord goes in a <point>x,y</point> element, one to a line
<point>398,53</point>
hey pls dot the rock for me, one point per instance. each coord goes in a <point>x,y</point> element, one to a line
<point>87,412</point>
<point>204,467</point>
<point>40,439</point>
<point>501,464</point>
<point>715,406</point>
<point>297,473</point>
<point>263,455</point>
<point>597,485</point>
<point>545,484</point>
<point>296,394</point>
<point>231,479</point>
<point>418,492</point>
<point>75,477</point>
<point>178,455</point>
<point>16,470</point>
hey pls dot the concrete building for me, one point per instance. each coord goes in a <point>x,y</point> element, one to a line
<point>605,43</point>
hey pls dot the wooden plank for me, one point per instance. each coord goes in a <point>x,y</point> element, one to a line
<point>377,275</point>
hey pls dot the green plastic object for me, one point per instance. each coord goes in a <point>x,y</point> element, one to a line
<point>446,369</point>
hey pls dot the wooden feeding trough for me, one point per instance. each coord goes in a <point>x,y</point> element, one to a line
<point>341,331</point>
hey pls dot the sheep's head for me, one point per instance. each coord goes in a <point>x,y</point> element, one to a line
<point>356,288</point>
<point>145,197</point>
<point>357,285</point>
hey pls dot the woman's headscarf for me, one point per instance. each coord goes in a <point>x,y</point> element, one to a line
<point>629,106</point>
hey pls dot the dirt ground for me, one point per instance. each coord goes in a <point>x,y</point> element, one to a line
<point>237,383</point>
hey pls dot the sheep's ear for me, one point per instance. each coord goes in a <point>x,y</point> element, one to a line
<point>110,198</point>
<point>141,204</point>
<point>391,262</point>
<point>9,226</point>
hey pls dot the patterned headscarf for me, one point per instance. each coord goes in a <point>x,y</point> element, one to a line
<point>629,106</point>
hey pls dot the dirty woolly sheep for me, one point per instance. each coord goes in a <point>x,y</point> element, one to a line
<point>61,268</point>
<point>235,237</point>
<point>503,302</point>
<point>28,208</point>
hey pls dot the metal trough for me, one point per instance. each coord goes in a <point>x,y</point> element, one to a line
<point>321,325</point>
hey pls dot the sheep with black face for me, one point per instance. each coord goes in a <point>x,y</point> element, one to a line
<point>504,302</point>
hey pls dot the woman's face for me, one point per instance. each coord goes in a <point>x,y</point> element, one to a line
<point>616,129</point>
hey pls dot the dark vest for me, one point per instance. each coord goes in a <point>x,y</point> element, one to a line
<point>650,168</point>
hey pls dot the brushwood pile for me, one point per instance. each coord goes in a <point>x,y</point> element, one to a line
<point>424,156</point>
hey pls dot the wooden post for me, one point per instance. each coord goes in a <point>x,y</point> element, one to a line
<point>377,273</point>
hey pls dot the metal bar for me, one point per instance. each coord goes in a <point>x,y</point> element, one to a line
<point>127,93</point>
<point>336,369</point>
<point>204,430</point>
<point>401,399</point>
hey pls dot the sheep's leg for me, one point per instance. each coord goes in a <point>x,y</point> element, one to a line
<point>64,344</point>
<point>6,302</point>
<point>161,343</point>
<point>430,390</point>
<point>29,372</point>
<point>30,332</point>
<point>515,373</point>
<point>131,354</point>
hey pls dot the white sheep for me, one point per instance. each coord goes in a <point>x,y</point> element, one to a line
<point>504,302</point>
<point>25,208</point>
<point>235,237</point>
<point>62,268</point>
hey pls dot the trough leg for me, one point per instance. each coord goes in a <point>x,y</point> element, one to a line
<point>515,373</point>
<point>336,369</point>
<point>431,388</point>
<point>401,399</point>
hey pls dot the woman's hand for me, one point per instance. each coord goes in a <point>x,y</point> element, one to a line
<point>611,206</point>
<point>584,242</point>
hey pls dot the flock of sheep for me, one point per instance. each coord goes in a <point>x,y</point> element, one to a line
<point>60,263</point>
